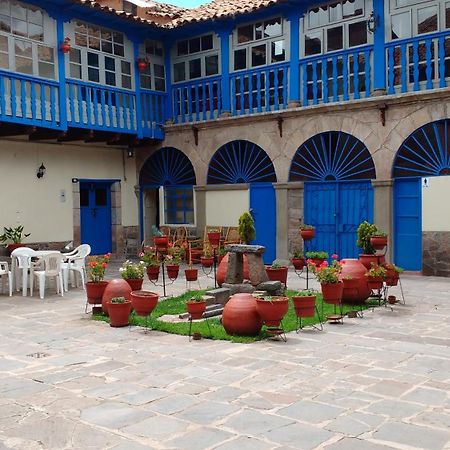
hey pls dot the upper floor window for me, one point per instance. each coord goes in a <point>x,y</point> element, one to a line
<point>410,18</point>
<point>101,56</point>
<point>259,43</point>
<point>130,7</point>
<point>335,26</point>
<point>27,39</point>
<point>195,58</point>
<point>154,77</point>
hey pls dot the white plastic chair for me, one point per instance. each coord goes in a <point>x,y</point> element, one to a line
<point>52,269</point>
<point>21,260</point>
<point>76,262</point>
<point>5,272</point>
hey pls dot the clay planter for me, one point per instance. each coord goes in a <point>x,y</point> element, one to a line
<point>272,311</point>
<point>307,234</point>
<point>354,293</point>
<point>116,288</point>
<point>305,306</point>
<point>161,242</point>
<point>298,263</point>
<point>392,299</point>
<point>279,274</point>
<point>207,261</point>
<point>378,242</point>
<point>375,283</point>
<point>240,316</point>
<point>172,271</point>
<point>135,283</point>
<point>332,292</point>
<point>367,260</point>
<point>317,261</point>
<point>223,267</point>
<point>153,273</point>
<point>195,309</point>
<point>11,247</point>
<point>94,292</point>
<point>214,238</point>
<point>392,281</point>
<point>119,314</point>
<point>191,274</point>
<point>144,302</point>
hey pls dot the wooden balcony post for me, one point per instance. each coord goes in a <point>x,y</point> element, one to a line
<point>379,50</point>
<point>294,66</point>
<point>224,35</point>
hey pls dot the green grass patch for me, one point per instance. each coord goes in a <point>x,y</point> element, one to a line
<point>176,305</point>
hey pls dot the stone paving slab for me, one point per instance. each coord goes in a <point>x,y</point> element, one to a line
<point>375,383</point>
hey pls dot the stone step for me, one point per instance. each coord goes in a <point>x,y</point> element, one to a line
<point>211,311</point>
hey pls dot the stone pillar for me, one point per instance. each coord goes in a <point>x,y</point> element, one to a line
<point>200,204</point>
<point>295,215</point>
<point>383,210</point>
<point>281,195</point>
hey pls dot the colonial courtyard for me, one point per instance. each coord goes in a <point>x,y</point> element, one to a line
<point>377,382</point>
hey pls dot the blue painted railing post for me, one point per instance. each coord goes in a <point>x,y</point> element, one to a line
<point>168,69</point>
<point>379,50</point>
<point>137,84</point>
<point>62,105</point>
<point>294,66</point>
<point>224,35</point>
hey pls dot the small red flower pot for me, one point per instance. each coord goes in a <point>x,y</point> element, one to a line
<point>317,261</point>
<point>94,291</point>
<point>161,242</point>
<point>172,271</point>
<point>307,234</point>
<point>278,274</point>
<point>332,292</point>
<point>272,311</point>
<point>119,314</point>
<point>305,306</point>
<point>196,309</point>
<point>191,274</point>
<point>214,238</point>
<point>378,242</point>
<point>135,283</point>
<point>207,261</point>
<point>375,283</point>
<point>144,302</point>
<point>153,273</point>
<point>298,263</point>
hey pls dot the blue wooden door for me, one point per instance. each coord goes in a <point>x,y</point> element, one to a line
<point>95,215</point>
<point>408,223</point>
<point>263,208</point>
<point>336,209</point>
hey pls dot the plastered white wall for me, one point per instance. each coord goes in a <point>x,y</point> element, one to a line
<point>36,203</point>
<point>436,204</point>
<point>224,207</point>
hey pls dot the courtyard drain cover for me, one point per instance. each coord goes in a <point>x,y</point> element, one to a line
<point>38,355</point>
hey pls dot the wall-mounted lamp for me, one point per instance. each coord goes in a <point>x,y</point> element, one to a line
<point>130,152</point>
<point>41,171</point>
<point>142,64</point>
<point>372,22</point>
<point>65,45</point>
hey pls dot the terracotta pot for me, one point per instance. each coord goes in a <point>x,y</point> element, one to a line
<point>11,247</point>
<point>153,273</point>
<point>191,274</point>
<point>119,314</point>
<point>392,299</point>
<point>135,283</point>
<point>375,283</point>
<point>317,261</point>
<point>367,260</point>
<point>207,261</point>
<point>161,242</point>
<point>195,309</point>
<point>332,292</point>
<point>392,276</point>
<point>298,263</point>
<point>94,291</point>
<point>305,306</point>
<point>392,281</point>
<point>378,242</point>
<point>144,302</point>
<point>116,288</point>
<point>307,234</point>
<point>279,274</point>
<point>272,311</point>
<point>240,316</point>
<point>172,271</point>
<point>223,267</point>
<point>214,238</point>
<point>354,293</point>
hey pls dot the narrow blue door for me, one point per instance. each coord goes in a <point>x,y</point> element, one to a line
<point>95,215</point>
<point>408,223</point>
<point>263,208</point>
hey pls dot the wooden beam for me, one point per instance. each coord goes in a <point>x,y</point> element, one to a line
<point>97,136</point>
<point>13,129</point>
<point>38,133</point>
<point>73,134</point>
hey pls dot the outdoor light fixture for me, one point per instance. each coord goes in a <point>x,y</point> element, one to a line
<point>372,22</point>
<point>41,171</point>
<point>130,152</point>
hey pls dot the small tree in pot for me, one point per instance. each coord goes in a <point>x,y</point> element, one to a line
<point>246,228</point>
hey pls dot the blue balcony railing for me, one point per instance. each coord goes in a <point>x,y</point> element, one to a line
<point>259,90</point>
<point>197,100</point>
<point>339,76</point>
<point>153,113</point>
<point>419,63</point>
<point>28,101</point>
<point>100,107</point>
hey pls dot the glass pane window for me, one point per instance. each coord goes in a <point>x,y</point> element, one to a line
<point>245,34</point>
<point>427,20</point>
<point>75,63</point>
<point>258,55</point>
<point>182,48</point>
<point>401,26</point>
<point>4,58</point>
<point>447,15</point>
<point>179,72</point>
<point>334,39</point>
<point>313,43</point>
<point>46,57</point>
<point>357,33</point>
<point>207,42</point>
<point>352,8</point>
<point>318,16</point>
<point>178,205</point>
<point>240,59</point>
<point>278,52</point>
<point>195,68</point>
<point>194,45</point>
<point>212,65</point>
<point>272,28</point>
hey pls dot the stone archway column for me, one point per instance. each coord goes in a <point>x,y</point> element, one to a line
<point>200,207</point>
<point>383,210</point>
<point>282,208</point>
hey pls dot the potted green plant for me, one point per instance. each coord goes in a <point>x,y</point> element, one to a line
<point>305,303</point>
<point>173,260</point>
<point>298,260</point>
<point>307,232</point>
<point>392,274</point>
<point>95,287</point>
<point>272,309</point>
<point>246,228</point>
<point>378,240</point>
<point>144,302</point>
<point>133,273</point>
<point>196,306</point>
<point>214,238</point>
<point>15,236</point>
<point>277,272</point>
<point>375,276</point>
<point>151,261</point>
<point>365,231</point>
<point>220,254</point>
<point>316,257</point>
<point>207,259</point>
<point>328,277</point>
<point>119,309</point>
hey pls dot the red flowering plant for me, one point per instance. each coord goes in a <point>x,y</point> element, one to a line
<point>97,266</point>
<point>327,273</point>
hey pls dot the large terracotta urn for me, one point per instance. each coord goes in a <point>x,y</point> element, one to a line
<point>223,267</point>
<point>116,288</point>
<point>240,316</point>
<point>355,269</point>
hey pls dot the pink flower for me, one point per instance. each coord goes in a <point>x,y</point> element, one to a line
<point>334,256</point>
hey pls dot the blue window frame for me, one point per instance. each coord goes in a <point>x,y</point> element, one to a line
<point>178,205</point>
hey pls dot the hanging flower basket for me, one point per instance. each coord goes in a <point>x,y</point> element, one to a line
<point>207,261</point>
<point>135,283</point>
<point>298,263</point>
<point>191,274</point>
<point>142,65</point>
<point>65,45</point>
<point>378,242</point>
<point>153,273</point>
<point>161,242</point>
<point>375,283</point>
<point>307,233</point>
<point>172,271</point>
<point>214,238</point>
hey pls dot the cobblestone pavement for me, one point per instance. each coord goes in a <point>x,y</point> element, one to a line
<point>379,382</point>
